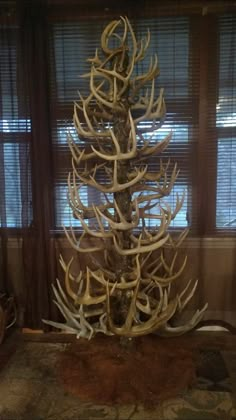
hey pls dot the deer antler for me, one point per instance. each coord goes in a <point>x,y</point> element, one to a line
<point>120,156</point>
<point>155,321</point>
<point>169,330</point>
<point>80,210</point>
<point>108,31</point>
<point>115,186</point>
<point>139,249</point>
<point>123,224</point>
<point>147,150</point>
<point>76,244</point>
<point>128,293</point>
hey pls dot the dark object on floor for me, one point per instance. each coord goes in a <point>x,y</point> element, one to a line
<point>211,371</point>
<point>7,314</point>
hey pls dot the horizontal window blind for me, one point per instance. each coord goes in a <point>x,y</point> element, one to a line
<point>72,43</point>
<point>198,77</point>
<point>226,125</point>
<point>15,182</point>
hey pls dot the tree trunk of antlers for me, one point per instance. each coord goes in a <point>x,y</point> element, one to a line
<point>129,294</point>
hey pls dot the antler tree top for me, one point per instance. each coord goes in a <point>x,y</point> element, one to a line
<point>128,293</point>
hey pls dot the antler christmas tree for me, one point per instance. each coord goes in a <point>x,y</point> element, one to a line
<point>129,292</point>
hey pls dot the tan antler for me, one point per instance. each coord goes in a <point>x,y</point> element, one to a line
<point>116,185</point>
<point>125,232</point>
<point>119,155</point>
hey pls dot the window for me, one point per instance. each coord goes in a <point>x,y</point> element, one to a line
<point>15,189</point>
<point>71,45</point>
<point>226,125</point>
<point>197,72</point>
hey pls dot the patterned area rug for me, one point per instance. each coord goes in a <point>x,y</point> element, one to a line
<point>30,389</point>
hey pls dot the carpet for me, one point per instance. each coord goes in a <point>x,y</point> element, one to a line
<point>31,389</point>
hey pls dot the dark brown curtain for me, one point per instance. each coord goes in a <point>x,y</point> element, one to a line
<point>15,200</point>
<point>38,254</point>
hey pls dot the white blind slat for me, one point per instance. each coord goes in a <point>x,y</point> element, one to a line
<point>226,124</point>
<point>15,177</point>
